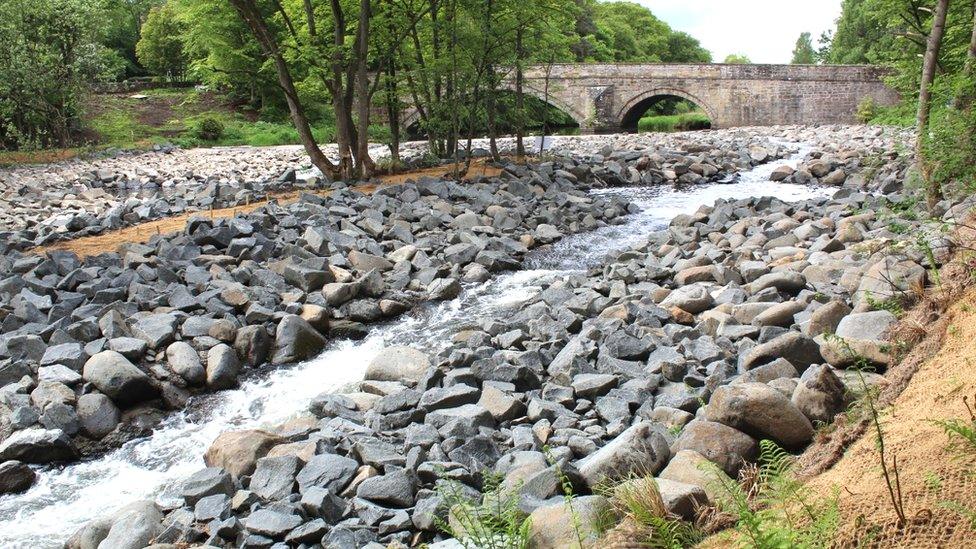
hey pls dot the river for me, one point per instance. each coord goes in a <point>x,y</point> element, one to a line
<point>67,497</point>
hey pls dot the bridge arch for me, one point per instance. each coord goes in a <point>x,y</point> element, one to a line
<point>632,110</point>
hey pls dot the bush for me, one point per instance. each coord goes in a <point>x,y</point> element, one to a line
<point>209,129</point>
<point>867,109</point>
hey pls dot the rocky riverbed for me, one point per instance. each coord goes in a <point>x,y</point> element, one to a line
<point>665,353</point>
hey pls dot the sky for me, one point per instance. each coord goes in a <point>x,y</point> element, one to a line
<point>763,30</point>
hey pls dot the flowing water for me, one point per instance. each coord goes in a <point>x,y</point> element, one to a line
<point>65,498</point>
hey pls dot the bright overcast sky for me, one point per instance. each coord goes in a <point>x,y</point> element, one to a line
<point>763,30</point>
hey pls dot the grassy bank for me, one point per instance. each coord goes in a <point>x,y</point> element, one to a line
<point>674,123</point>
<point>179,116</point>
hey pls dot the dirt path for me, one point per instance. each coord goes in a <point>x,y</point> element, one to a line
<point>110,241</point>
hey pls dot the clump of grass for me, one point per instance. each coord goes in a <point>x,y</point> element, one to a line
<point>677,122</point>
<point>639,501</point>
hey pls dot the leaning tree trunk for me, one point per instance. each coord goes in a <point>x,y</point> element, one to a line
<point>933,192</point>
<point>252,17</point>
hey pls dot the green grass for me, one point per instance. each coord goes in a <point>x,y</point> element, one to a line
<point>175,115</point>
<point>674,123</point>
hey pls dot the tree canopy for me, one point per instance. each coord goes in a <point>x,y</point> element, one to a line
<point>803,52</point>
<point>737,59</point>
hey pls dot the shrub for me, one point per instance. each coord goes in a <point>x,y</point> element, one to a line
<point>209,129</point>
<point>776,510</point>
<point>867,109</point>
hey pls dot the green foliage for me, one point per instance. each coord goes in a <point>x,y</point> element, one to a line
<point>627,31</point>
<point>737,59</point>
<point>50,53</point>
<point>640,501</point>
<point>803,52</point>
<point>779,511</point>
<point>961,434</point>
<point>209,129</point>
<point>950,149</point>
<point>160,49</point>
<point>867,109</point>
<point>496,522</point>
<point>892,304</point>
<point>679,122</point>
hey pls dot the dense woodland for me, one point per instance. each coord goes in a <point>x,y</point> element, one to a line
<point>311,62</point>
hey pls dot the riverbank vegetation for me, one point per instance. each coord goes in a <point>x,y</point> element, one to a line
<point>327,71</point>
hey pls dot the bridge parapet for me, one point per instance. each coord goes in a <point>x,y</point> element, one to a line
<point>613,96</point>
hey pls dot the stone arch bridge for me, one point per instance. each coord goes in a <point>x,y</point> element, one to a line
<point>612,97</point>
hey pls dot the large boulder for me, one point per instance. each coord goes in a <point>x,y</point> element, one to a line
<point>98,415</point>
<point>328,471</point>
<point>134,527</point>
<point>296,340</point>
<point>394,489</point>
<point>15,477</point>
<point>859,335</point>
<point>558,525</point>
<point>760,411</point>
<point>113,374</point>
<point>237,452</point>
<point>274,477</point>
<point>38,446</point>
<point>795,347</point>
<point>725,446</point>
<point>253,345</point>
<point>825,319</point>
<point>398,364</point>
<point>690,467</point>
<point>223,367</point>
<point>641,448</point>
<point>184,361</point>
<point>693,299</point>
<point>820,394</point>
<point>681,499</point>
<point>888,279</point>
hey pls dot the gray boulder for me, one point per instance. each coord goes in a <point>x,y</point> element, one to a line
<point>728,448</point>
<point>15,477</point>
<point>403,364</point>
<point>296,340</point>
<point>274,477</point>
<point>760,411</point>
<point>394,489</point>
<point>820,394</point>
<point>134,527</point>
<point>641,448</point>
<point>98,415</point>
<point>795,347</point>
<point>223,367</point>
<point>859,335</point>
<point>113,374</point>
<point>184,361</point>
<point>38,446</point>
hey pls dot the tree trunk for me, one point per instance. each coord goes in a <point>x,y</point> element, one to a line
<point>519,95</point>
<point>932,191</point>
<point>364,164</point>
<point>252,17</point>
<point>393,114</point>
